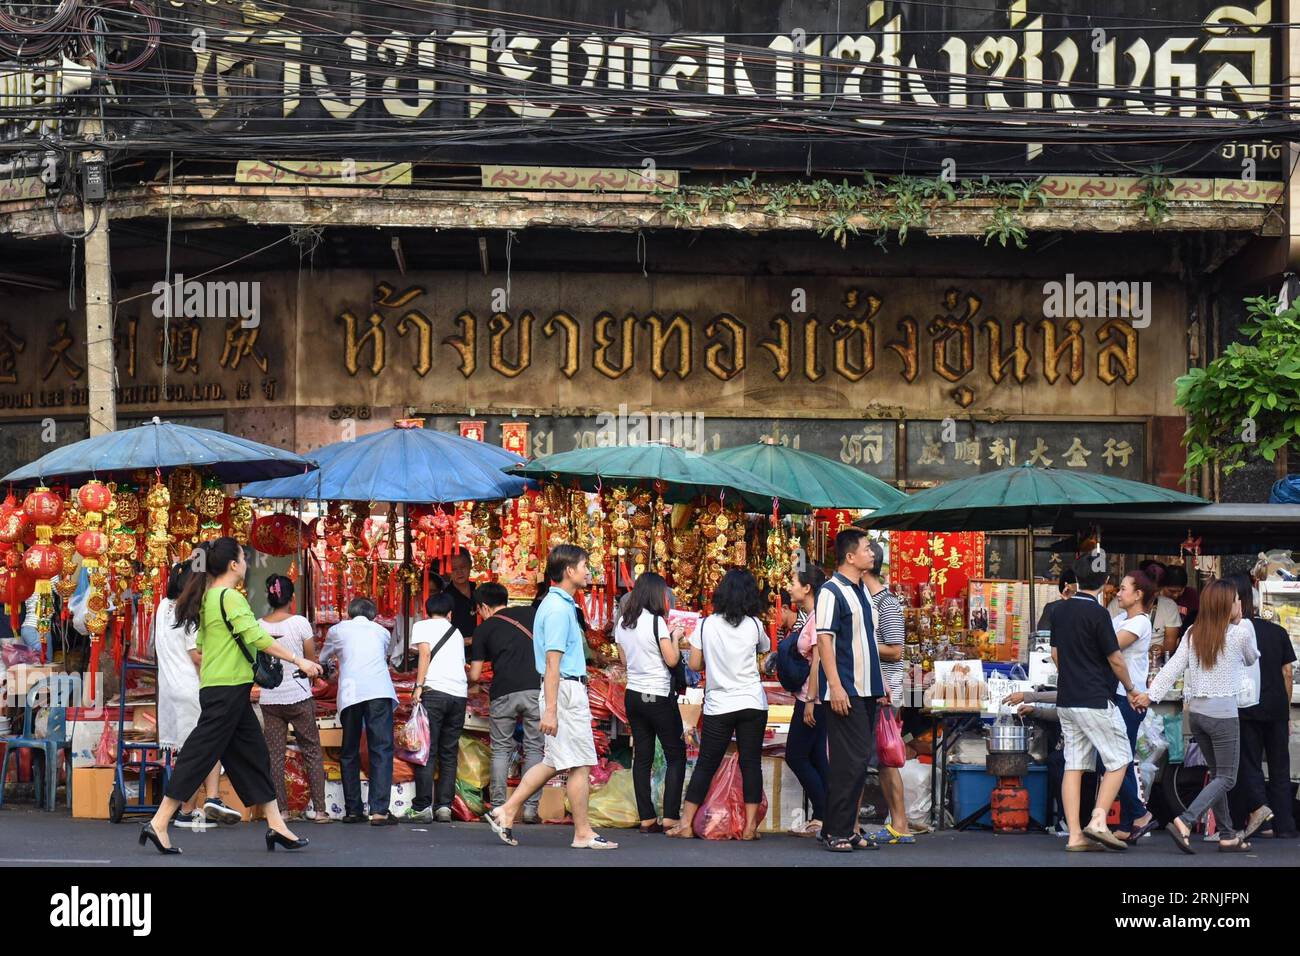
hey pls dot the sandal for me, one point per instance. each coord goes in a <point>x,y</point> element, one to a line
<point>860,841</point>
<point>810,829</point>
<point>652,828</point>
<point>751,838</point>
<point>1088,847</point>
<point>1139,832</point>
<point>1256,820</point>
<point>839,845</point>
<point>1184,844</point>
<point>1239,845</point>
<point>681,833</point>
<point>505,833</point>
<point>597,842</point>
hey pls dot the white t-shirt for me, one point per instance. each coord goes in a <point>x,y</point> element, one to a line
<point>178,678</point>
<point>646,671</point>
<point>446,671</point>
<point>1164,614</point>
<point>290,634</point>
<point>1138,654</point>
<point>731,664</point>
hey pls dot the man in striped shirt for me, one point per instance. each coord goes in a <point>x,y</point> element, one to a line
<point>891,633</point>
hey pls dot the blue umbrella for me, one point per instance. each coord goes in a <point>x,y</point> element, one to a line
<point>404,465</point>
<point>158,445</point>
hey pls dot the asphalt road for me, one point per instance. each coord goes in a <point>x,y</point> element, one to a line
<point>32,838</point>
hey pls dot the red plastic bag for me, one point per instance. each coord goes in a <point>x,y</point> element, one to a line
<point>890,751</point>
<point>722,815</point>
<point>297,787</point>
<point>460,811</point>
<point>411,738</point>
<point>106,748</point>
<point>19,653</point>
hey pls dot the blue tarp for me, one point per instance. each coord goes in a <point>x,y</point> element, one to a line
<point>402,465</point>
<point>1286,491</point>
<point>162,445</point>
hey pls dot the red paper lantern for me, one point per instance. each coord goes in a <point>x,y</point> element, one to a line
<point>94,496</point>
<point>13,560</point>
<point>12,524</point>
<point>278,535</point>
<point>92,543</point>
<point>43,506</point>
<point>16,586</point>
<point>42,561</point>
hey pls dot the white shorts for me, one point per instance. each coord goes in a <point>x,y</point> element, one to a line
<point>1090,733</point>
<point>573,744</point>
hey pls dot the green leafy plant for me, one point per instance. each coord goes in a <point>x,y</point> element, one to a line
<point>888,208</point>
<point>1006,227</point>
<point>1248,399</point>
<point>1153,198</point>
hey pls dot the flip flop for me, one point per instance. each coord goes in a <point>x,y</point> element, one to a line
<point>505,833</point>
<point>1183,843</point>
<point>892,836</point>
<point>1105,838</point>
<point>597,842</point>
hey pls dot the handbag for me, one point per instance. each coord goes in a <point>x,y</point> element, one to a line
<point>268,671</point>
<point>677,672</point>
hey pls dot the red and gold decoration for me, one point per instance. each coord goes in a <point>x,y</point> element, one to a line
<point>92,544</point>
<point>474,431</point>
<point>514,438</point>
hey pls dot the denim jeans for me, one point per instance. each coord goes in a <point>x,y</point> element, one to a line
<point>1220,741</point>
<point>446,721</point>
<point>1130,797</point>
<point>375,717</point>
<point>805,755</point>
<point>30,637</point>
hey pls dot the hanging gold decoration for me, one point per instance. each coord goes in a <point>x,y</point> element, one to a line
<point>184,484</point>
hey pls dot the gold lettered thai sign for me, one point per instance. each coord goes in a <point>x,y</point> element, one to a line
<point>1073,346</point>
<point>215,343</point>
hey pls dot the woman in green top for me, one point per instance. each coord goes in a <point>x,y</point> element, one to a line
<point>227,730</point>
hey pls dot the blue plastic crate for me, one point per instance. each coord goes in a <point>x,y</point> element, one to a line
<point>973,786</point>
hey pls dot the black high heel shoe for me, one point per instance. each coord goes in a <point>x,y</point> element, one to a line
<point>274,839</point>
<point>146,833</point>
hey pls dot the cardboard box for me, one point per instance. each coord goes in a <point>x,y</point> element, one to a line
<point>785,800</point>
<point>226,791</point>
<point>92,787</point>
<point>554,805</point>
<point>331,737</point>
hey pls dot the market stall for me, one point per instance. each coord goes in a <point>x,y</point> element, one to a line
<point>121,508</point>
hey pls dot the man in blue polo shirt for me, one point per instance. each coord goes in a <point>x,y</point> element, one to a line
<point>846,636</point>
<point>566,712</point>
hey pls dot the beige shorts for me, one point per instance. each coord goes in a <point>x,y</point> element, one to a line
<point>1091,733</point>
<point>573,744</point>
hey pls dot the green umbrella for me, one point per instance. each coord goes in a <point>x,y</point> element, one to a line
<point>803,476</point>
<point>1025,496</point>
<point>686,475</point>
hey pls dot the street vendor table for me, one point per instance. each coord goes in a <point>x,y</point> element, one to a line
<point>946,726</point>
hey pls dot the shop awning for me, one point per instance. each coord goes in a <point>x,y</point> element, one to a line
<point>1221,528</point>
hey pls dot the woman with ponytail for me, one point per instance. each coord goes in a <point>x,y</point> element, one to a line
<point>227,731</point>
<point>805,750</point>
<point>291,702</point>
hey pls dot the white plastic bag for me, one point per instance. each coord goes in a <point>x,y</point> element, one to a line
<point>1151,742</point>
<point>916,791</point>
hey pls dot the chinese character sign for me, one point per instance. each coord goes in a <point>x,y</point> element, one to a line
<point>947,560</point>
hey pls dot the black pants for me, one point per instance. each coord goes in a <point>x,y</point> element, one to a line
<point>228,732</point>
<point>1264,741</point>
<point>654,718</point>
<point>375,717</point>
<point>748,726</point>
<point>850,738</point>
<point>446,721</point>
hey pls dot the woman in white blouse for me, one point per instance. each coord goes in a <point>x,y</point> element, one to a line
<point>1212,661</point>
<point>726,645</point>
<point>292,703</point>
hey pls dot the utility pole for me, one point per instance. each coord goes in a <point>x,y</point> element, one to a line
<point>101,370</point>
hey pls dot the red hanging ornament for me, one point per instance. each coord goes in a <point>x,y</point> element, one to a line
<point>94,496</point>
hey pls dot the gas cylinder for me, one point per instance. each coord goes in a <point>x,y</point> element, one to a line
<point>1009,806</point>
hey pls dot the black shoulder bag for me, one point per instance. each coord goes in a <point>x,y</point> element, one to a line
<point>268,671</point>
<point>676,675</point>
